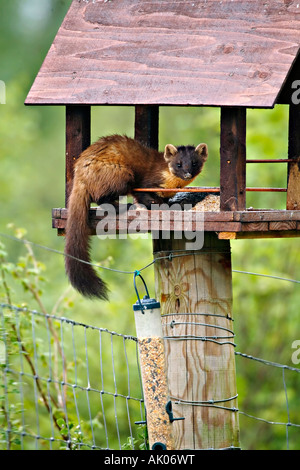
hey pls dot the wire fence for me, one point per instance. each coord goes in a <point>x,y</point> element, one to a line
<point>288,424</point>
<point>68,385</point>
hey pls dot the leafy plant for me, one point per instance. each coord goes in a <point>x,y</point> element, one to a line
<point>29,273</point>
<point>140,442</point>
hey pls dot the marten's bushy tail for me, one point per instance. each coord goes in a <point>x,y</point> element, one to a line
<point>81,275</point>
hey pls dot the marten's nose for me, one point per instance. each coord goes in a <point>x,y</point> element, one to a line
<point>187,176</point>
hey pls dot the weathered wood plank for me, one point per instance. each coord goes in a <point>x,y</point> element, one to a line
<point>233,159</point>
<point>263,235</point>
<point>222,216</point>
<point>293,178</point>
<point>255,226</point>
<point>195,52</point>
<point>78,138</point>
<point>287,225</point>
<point>268,216</point>
<point>196,304</point>
<point>287,92</point>
<point>145,221</point>
<point>146,125</point>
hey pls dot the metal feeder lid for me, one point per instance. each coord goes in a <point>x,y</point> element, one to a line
<point>146,304</point>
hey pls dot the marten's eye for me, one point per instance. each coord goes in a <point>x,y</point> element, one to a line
<point>179,165</point>
<point>194,163</point>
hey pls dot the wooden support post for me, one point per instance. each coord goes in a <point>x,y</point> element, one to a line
<point>146,125</point>
<point>233,159</point>
<point>195,292</point>
<point>293,179</point>
<point>78,138</point>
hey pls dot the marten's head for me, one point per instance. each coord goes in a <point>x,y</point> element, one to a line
<point>186,162</point>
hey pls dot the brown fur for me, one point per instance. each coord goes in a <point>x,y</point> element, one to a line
<point>112,167</point>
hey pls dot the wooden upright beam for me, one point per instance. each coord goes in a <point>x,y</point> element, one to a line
<point>293,179</point>
<point>78,138</point>
<point>233,159</point>
<point>146,125</point>
<point>195,292</point>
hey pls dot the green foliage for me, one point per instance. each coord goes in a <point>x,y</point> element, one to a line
<point>32,183</point>
<point>16,338</point>
<point>40,346</point>
<point>140,442</point>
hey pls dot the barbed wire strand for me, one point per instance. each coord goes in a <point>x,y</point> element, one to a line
<point>169,256</point>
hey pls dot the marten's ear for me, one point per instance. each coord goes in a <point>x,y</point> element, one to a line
<point>202,151</point>
<point>170,152</point>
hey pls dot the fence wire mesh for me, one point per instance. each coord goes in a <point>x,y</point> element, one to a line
<point>67,385</point>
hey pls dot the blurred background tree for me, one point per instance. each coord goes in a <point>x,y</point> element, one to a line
<point>32,183</point>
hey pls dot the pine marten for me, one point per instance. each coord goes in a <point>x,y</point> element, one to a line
<point>112,167</point>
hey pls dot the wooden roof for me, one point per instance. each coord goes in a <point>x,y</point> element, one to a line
<point>171,52</point>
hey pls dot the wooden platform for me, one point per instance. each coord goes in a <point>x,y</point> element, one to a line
<point>228,225</point>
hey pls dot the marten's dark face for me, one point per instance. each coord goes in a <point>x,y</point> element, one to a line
<point>186,162</point>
